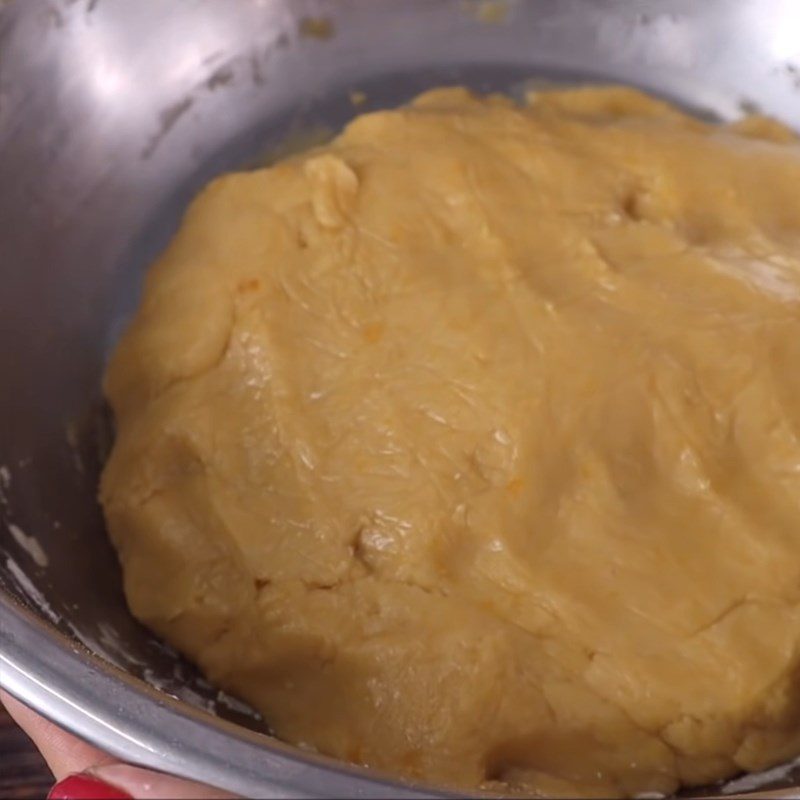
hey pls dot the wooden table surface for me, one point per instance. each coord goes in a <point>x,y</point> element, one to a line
<point>23,773</point>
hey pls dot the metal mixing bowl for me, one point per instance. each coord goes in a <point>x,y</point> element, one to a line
<point>112,114</point>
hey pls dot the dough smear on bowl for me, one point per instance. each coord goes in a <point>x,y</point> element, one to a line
<point>467,447</point>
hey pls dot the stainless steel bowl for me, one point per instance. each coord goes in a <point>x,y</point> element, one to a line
<point>112,114</point>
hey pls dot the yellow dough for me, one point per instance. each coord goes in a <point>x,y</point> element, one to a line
<point>468,446</point>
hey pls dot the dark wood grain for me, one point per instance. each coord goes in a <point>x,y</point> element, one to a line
<point>23,773</point>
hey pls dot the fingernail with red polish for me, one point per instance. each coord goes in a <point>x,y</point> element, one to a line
<point>85,787</point>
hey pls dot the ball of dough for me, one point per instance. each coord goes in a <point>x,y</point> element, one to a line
<point>468,446</point>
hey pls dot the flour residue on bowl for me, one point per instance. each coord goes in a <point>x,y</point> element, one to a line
<point>29,544</point>
<point>30,592</point>
<point>5,485</point>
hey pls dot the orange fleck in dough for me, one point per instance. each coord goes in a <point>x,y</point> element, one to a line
<point>249,285</point>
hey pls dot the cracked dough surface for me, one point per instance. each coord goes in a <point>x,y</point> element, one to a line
<point>468,445</point>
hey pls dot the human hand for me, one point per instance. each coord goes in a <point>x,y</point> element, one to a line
<point>83,772</point>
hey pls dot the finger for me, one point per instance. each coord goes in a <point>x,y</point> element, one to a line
<point>63,752</point>
<point>144,784</point>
